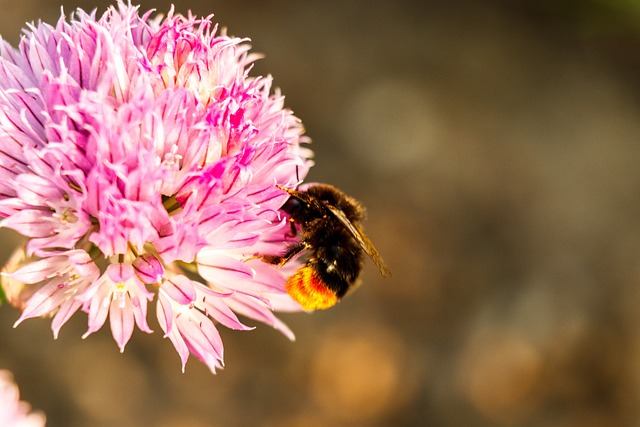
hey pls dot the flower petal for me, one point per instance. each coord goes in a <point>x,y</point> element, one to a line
<point>121,320</point>
<point>180,289</point>
<point>30,223</point>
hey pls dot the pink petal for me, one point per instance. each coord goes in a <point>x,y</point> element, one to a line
<point>44,301</point>
<point>148,269</point>
<point>164,313</point>
<point>98,308</point>
<point>165,319</point>
<point>139,296</point>
<point>67,309</point>
<point>221,269</point>
<point>35,190</point>
<point>180,289</point>
<point>38,271</point>
<point>120,273</point>
<point>30,223</point>
<point>83,264</point>
<point>217,309</point>
<point>202,338</point>
<point>255,309</point>
<point>121,320</point>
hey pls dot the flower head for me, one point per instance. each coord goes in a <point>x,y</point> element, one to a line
<point>142,162</point>
<point>13,412</point>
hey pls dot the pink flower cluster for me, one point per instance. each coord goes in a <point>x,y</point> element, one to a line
<point>13,412</point>
<point>141,161</point>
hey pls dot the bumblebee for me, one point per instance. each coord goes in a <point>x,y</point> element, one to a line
<point>327,222</point>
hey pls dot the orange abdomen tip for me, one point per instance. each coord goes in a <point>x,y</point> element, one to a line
<point>309,291</point>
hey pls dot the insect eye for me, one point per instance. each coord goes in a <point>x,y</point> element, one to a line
<point>291,205</point>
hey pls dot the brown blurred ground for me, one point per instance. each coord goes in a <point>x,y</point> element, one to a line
<point>496,146</point>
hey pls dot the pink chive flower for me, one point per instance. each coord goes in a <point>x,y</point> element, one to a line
<point>142,162</point>
<point>13,412</point>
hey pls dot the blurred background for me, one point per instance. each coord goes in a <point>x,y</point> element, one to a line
<point>496,147</point>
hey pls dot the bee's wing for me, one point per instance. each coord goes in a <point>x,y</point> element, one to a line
<point>362,240</point>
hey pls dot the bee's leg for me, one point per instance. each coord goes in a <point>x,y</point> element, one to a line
<point>292,224</point>
<point>281,260</point>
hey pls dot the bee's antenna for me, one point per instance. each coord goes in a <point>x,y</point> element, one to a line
<point>297,176</point>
